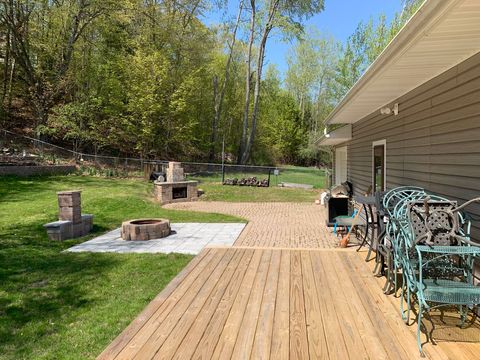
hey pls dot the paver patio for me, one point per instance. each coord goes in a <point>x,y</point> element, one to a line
<point>187,238</point>
<point>279,302</point>
<point>278,225</point>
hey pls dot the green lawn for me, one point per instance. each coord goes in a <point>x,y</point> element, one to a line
<point>291,174</point>
<point>56,305</point>
<point>214,191</point>
<point>301,175</point>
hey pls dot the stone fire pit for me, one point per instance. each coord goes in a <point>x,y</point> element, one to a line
<point>145,229</point>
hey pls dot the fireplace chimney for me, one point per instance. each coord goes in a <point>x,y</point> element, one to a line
<point>175,172</point>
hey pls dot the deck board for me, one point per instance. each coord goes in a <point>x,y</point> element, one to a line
<point>202,310</point>
<point>277,304</point>
<point>281,323</point>
<point>317,344</point>
<point>298,324</point>
<point>246,335</point>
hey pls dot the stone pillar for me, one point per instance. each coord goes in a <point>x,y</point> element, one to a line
<point>175,172</point>
<point>70,209</point>
<point>71,222</point>
<point>69,206</point>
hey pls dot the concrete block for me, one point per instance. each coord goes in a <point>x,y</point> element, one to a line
<point>87,221</point>
<point>70,201</point>
<point>59,230</point>
<point>78,230</point>
<point>72,214</point>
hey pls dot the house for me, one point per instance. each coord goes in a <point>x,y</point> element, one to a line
<point>413,118</point>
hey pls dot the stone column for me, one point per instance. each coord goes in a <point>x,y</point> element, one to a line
<point>175,172</point>
<point>70,209</point>
<point>69,205</point>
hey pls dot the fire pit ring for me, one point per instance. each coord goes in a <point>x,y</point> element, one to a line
<point>145,229</point>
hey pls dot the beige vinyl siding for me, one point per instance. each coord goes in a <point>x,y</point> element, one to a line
<point>434,142</point>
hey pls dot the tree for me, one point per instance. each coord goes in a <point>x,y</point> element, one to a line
<point>219,93</point>
<point>285,15</point>
<point>310,77</point>
<point>283,134</point>
<point>43,36</point>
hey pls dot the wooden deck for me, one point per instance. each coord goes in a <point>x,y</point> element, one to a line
<point>266,303</point>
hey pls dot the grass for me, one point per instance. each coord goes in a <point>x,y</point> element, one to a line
<point>299,175</point>
<point>56,305</point>
<point>215,191</point>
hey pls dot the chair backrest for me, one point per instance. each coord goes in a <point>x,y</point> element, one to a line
<point>400,194</point>
<point>433,222</point>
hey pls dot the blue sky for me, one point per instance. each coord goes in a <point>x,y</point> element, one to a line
<point>339,19</point>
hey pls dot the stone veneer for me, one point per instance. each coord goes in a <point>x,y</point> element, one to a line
<point>175,172</point>
<point>164,191</point>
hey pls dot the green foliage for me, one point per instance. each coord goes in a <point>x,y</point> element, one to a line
<point>321,71</point>
<point>136,78</point>
<point>283,133</point>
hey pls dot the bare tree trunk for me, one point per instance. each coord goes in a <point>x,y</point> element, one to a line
<point>258,79</point>
<point>10,84</point>
<point>6,66</point>
<point>213,134</point>
<point>246,110</point>
<point>220,95</point>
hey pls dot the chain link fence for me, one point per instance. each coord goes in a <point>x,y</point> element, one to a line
<point>23,150</point>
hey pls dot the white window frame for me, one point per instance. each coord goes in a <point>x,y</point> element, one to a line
<point>379,143</point>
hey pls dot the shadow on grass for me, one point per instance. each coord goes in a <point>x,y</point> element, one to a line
<point>38,282</point>
<point>39,285</point>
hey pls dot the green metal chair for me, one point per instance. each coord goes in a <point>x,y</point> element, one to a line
<point>388,239</point>
<point>414,227</point>
<point>438,259</point>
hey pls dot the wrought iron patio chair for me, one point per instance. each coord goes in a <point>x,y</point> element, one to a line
<point>415,226</point>
<point>387,241</point>
<point>380,255</point>
<point>438,259</point>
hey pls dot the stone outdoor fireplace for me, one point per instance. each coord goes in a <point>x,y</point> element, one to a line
<point>176,188</point>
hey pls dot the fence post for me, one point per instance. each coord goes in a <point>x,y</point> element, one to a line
<point>223,160</point>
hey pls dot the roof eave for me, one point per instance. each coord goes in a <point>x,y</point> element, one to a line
<point>429,12</point>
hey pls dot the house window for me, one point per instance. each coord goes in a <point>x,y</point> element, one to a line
<point>379,166</point>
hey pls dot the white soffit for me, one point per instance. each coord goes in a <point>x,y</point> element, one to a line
<point>442,34</point>
<point>338,136</point>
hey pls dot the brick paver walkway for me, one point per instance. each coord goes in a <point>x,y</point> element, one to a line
<point>277,225</point>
